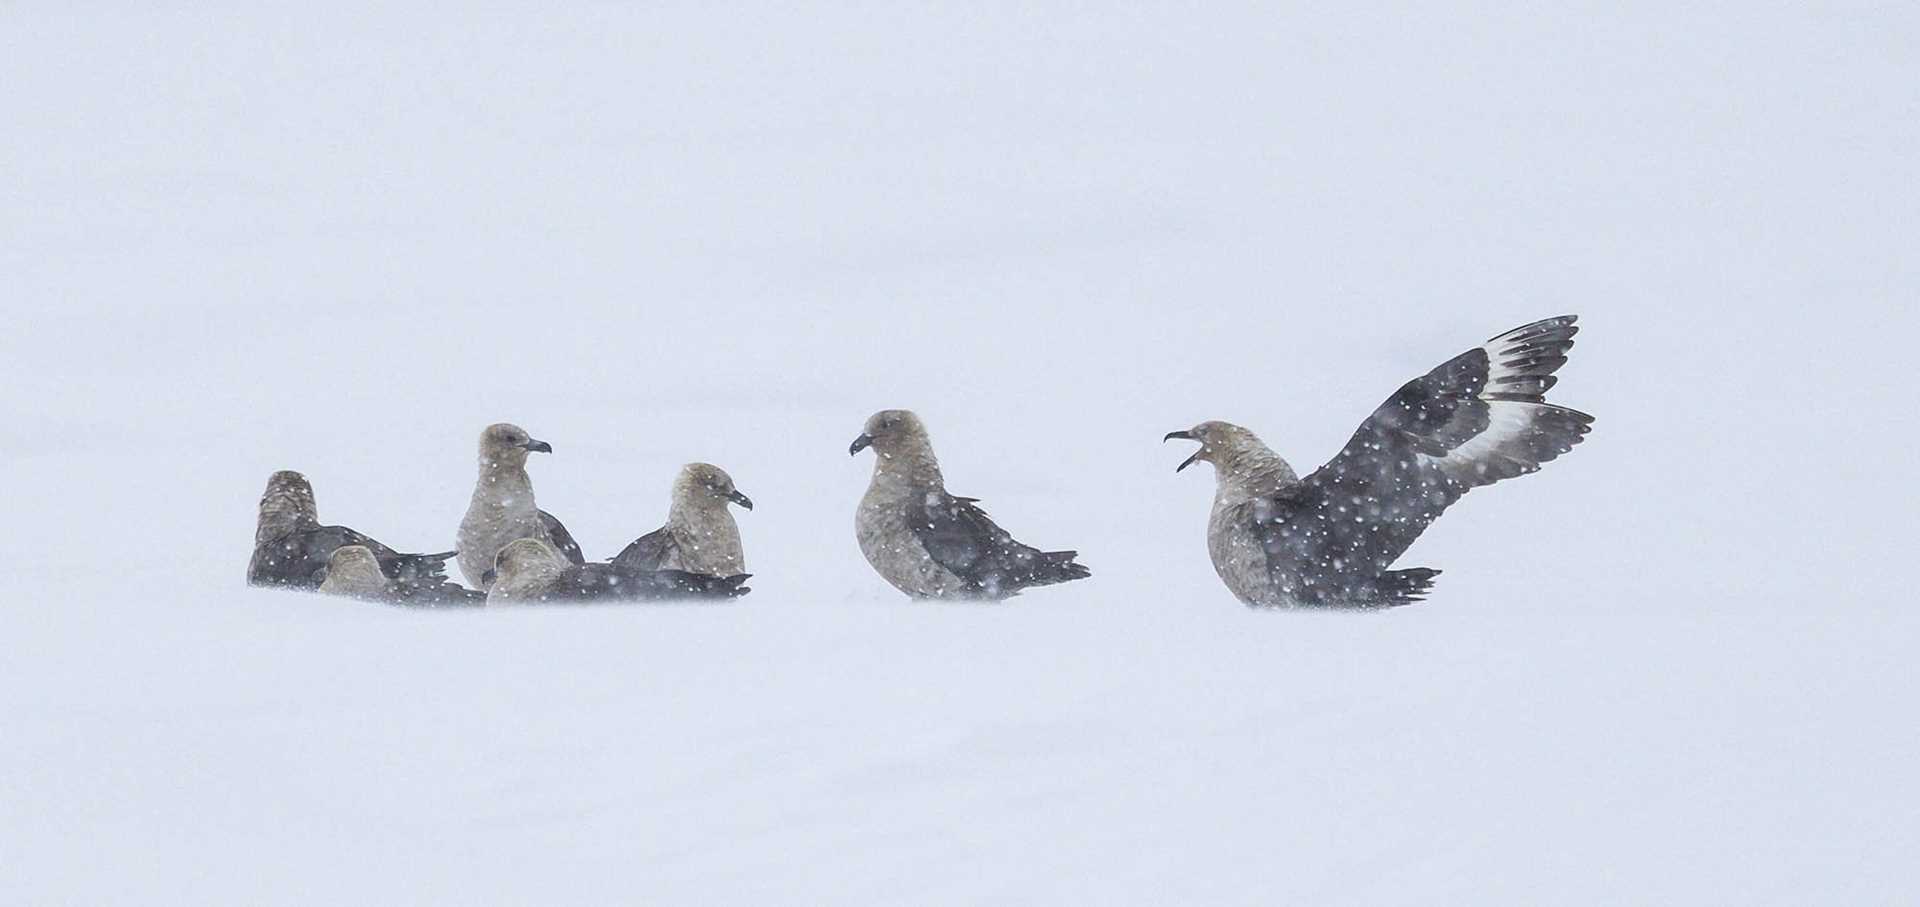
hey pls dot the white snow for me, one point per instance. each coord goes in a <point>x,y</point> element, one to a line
<point>1673,667</point>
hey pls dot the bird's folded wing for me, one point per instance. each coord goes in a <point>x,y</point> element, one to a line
<point>606,582</point>
<point>299,558</point>
<point>960,537</point>
<point>439,595</point>
<point>562,539</point>
<point>648,552</point>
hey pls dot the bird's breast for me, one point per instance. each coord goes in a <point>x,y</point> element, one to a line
<point>1239,557</point>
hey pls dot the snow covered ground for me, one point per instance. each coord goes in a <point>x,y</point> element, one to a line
<point>1674,667</point>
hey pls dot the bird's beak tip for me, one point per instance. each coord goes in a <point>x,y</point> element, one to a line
<point>1184,435</point>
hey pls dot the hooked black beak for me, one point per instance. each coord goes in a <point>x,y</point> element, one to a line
<point>538,446</point>
<point>859,444</point>
<point>741,499</point>
<point>1184,436</point>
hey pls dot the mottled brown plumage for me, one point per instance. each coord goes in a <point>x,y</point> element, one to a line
<point>532,571</point>
<point>291,547</point>
<point>700,535</point>
<point>1327,540</point>
<point>929,543</point>
<point>502,508</point>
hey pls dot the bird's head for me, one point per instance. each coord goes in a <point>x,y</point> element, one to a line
<point>289,485</point>
<point>705,483</point>
<point>355,564</point>
<point>287,504</point>
<point>522,558</point>
<point>889,432</point>
<point>1221,443</point>
<point>506,444</point>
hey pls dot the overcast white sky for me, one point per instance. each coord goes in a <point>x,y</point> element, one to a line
<point>238,239</point>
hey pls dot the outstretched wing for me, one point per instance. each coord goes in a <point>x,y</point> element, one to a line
<point>647,552</point>
<point>1480,417</point>
<point>960,537</point>
<point>562,539</point>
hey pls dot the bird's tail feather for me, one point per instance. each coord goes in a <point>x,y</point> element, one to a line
<point>1058,567</point>
<point>423,569</point>
<point>1402,587</point>
<point>702,585</point>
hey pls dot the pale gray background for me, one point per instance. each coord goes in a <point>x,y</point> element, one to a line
<point>1674,666</point>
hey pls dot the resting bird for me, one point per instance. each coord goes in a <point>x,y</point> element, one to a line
<point>931,544</point>
<point>1327,540</point>
<point>700,534</point>
<point>291,548</point>
<point>502,508</point>
<point>530,571</point>
<point>353,571</point>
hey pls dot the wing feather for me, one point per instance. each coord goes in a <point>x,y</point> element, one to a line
<point>562,539</point>
<point>648,552</point>
<point>961,538</point>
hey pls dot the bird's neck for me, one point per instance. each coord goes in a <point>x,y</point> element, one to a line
<point>907,466</point>
<point>504,486</point>
<point>699,516</point>
<point>1252,471</point>
<point>282,514</point>
<point>709,537</point>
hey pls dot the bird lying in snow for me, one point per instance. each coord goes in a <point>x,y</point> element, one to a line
<point>291,548</point>
<point>530,571</point>
<point>502,508</point>
<point>353,571</point>
<point>700,534</point>
<point>931,544</point>
<point>1327,540</point>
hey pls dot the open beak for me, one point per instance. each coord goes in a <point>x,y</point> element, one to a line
<point>538,446</point>
<point>1184,436</point>
<point>859,444</point>
<point>741,499</point>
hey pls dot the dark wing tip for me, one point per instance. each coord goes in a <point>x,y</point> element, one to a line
<point>1563,325</point>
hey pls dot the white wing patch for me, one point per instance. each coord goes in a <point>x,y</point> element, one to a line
<point>1523,430</point>
<point>1502,451</point>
